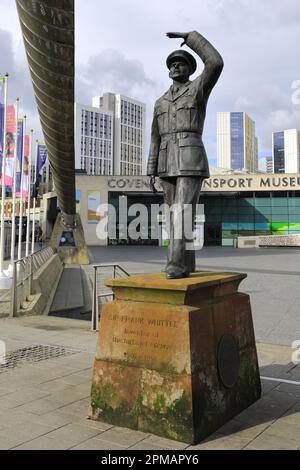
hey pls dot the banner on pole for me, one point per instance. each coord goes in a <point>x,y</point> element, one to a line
<point>19,154</point>
<point>41,159</point>
<point>2,82</point>
<point>40,163</point>
<point>26,166</point>
<point>25,163</point>
<point>10,146</point>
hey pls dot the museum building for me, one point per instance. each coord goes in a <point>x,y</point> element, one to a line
<point>234,205</point>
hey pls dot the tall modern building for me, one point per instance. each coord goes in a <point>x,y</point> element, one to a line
<point>286,151</point>
<point>110,136</point>
<point>237,145</point>
<point>93,140</point>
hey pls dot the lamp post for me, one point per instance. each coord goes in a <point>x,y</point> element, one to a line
<point>29,194</point>
<point>21,196</point>
<point>34,198</point>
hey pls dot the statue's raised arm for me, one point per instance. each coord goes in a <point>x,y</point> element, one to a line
<point>213,62</point>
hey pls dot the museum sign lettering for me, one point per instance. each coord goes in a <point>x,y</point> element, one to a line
<point>217,183</point>
<point>253,183</point>
<point>130,184</point>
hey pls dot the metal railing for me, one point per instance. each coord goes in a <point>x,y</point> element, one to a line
<point>99,286</point>
<point>23,272</point>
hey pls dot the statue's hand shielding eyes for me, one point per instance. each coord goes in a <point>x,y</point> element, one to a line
<point>173,35</point>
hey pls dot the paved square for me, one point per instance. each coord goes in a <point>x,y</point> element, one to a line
<point>43,405</point>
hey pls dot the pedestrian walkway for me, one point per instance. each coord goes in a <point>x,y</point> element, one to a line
<point>45,394</point>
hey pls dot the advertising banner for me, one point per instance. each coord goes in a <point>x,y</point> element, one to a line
<point>26,168</point>
<point>94,201</point>
<point>10,145</point>
<point>1,121</point>
<point>41,159</point>
<point>19,155</point>
<point>26,152</point>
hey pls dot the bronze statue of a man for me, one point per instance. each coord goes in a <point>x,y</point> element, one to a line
<point>177,154</point>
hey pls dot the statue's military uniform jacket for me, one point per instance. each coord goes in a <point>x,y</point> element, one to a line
<point>176,138</point>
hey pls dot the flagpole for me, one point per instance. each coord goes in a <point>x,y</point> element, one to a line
<point>29,194</point>
<point>3,283</point>
<point>34,198</point>
<point>21,195</point>
<point>13,230</point>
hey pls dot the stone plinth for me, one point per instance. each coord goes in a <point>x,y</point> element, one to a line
<point>175,358</point>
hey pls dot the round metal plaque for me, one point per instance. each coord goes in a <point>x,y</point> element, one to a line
<point>228,360</point>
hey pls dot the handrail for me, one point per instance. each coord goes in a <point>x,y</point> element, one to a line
<point>111,266</point>
<point>96,296</point>
<point>23,271</point>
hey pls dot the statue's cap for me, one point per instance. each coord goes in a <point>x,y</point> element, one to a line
<point>183,55</point>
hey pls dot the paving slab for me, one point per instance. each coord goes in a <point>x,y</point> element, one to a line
<point>144,445</point>
<point>243,430</point>
<point>166,443</point>
<point>42,443</point>
<point>220,442</point>
<point>269,441</point>
<point>73,434</point>
<point>124,437</point>
<point>97,444</point>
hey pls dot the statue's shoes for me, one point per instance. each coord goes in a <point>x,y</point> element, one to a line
<point>174,275</point>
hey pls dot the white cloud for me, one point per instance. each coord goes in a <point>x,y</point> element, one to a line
<point>110,68</point>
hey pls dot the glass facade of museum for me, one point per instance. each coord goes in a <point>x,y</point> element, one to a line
<point>133,198</point>
<point>230,215</point>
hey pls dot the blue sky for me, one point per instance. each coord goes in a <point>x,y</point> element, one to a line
<point>121,47</point>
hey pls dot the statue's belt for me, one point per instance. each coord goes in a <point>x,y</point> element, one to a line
<point>180,135</point>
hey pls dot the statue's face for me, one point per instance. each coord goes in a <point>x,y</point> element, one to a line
<point>180,71</point>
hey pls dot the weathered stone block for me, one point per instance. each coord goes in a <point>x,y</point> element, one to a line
<point>180,366</point>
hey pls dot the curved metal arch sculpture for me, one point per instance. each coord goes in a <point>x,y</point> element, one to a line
<point>48,32</point>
